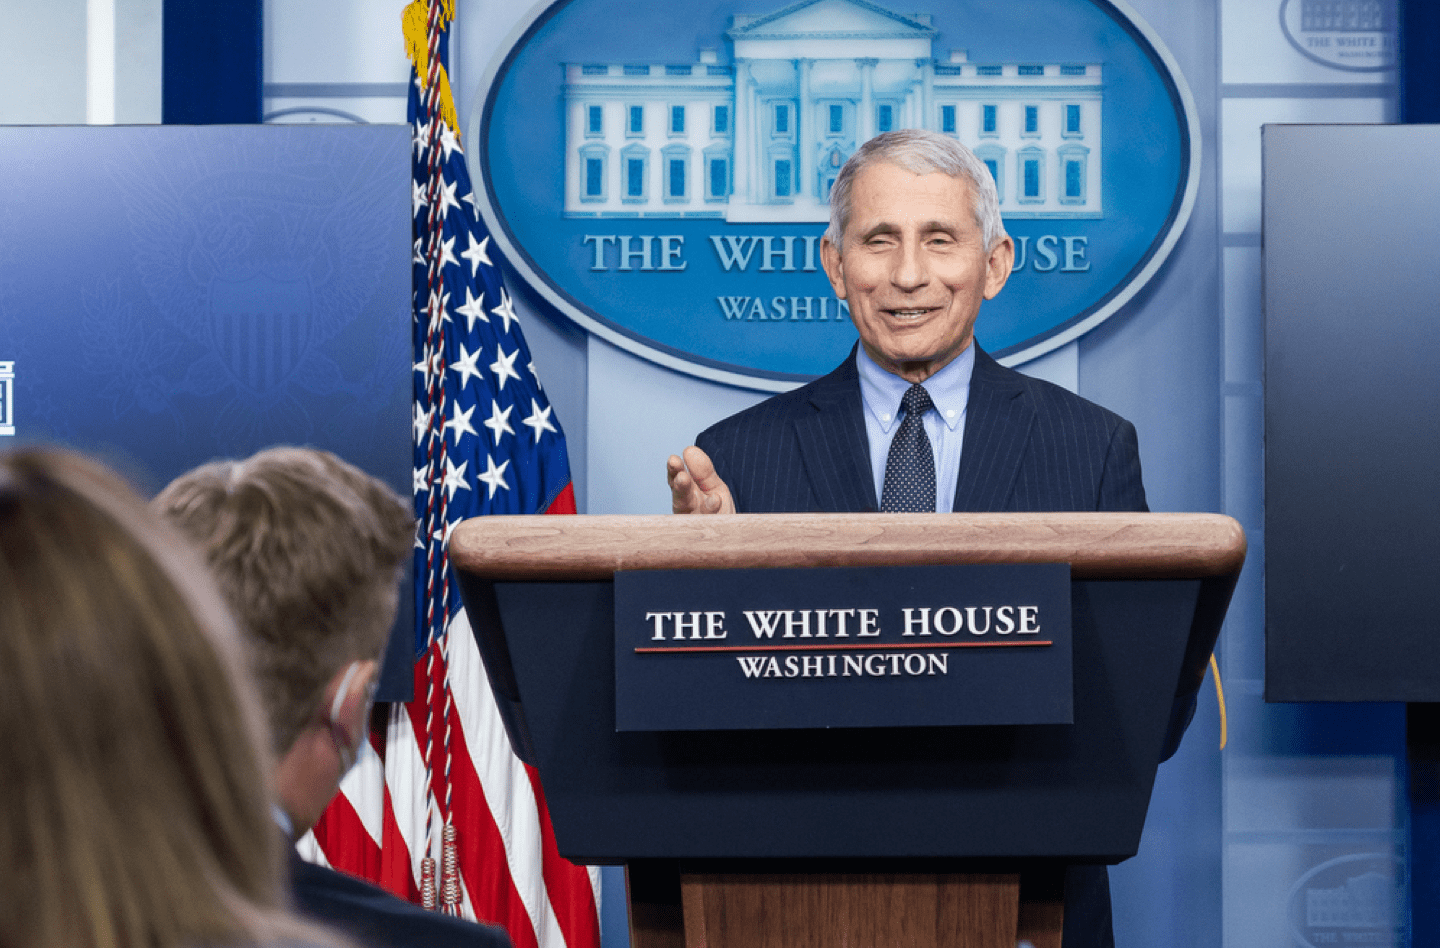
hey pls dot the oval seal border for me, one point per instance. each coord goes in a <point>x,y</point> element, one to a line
<point>1060,334</point>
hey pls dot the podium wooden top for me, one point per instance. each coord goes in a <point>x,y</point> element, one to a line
<point>1096,545</point>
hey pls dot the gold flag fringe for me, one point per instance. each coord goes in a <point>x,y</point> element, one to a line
<point>415,26</point>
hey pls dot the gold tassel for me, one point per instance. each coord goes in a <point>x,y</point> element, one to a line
<point>427,883</point>
<point>450,871</point>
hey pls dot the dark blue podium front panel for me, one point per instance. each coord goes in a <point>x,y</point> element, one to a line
<point>1067,790</point>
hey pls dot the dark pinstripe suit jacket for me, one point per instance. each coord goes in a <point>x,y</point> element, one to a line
<point>1029,446</point>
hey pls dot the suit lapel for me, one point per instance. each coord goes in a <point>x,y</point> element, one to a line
<point>833,443</point>
<point>998,418</point>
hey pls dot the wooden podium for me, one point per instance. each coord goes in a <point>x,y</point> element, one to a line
<point>860,837</point>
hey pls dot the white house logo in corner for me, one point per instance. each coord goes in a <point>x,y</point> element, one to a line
<point>1354,35</point>
<point>1350,900</point>
<point>7,398</point>
<point>667,188</point>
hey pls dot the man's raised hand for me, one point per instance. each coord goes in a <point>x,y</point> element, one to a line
<point>694,485</point>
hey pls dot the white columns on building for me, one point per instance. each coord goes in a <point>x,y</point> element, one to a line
<point>755,153</point>
<point>805,137</point>
<point>741,132</point>
<point>928,119</point>
<point>866,125</point>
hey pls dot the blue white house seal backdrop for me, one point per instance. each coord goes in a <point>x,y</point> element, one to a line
<point>666,184</point>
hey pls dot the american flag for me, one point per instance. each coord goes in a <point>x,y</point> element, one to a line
<point>441,811</point>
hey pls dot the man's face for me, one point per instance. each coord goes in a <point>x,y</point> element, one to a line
<point>914,268</point>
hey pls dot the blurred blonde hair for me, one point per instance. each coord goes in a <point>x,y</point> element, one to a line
<point>132,762</point>
<point>307,549</point>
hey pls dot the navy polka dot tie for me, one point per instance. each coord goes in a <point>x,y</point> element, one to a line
<point>910,469</point>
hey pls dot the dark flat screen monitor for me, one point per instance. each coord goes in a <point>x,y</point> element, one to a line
<point>1351,240</point>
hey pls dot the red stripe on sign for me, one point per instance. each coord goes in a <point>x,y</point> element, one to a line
<point>892,646</point>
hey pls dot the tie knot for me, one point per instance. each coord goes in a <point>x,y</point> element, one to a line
<point>916,400</point>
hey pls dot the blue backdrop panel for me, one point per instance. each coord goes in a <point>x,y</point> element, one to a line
<point>171,295</point>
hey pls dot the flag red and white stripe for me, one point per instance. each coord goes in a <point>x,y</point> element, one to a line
<point>445,759</point>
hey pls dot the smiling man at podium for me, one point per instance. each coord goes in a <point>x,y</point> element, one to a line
<point>919,418</point>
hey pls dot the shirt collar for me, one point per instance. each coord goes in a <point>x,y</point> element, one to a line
<point>949,389</point>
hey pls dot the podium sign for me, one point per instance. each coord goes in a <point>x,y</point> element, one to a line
<point>1147,593</point>
<point>904,646</point>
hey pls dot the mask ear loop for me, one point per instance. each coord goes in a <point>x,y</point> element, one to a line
<point>337,733</point>
<point>342,691</point>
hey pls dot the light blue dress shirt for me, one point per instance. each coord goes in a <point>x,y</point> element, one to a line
<point>880,393</point>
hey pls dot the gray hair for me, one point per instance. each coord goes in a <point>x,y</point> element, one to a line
<point>919,152</point>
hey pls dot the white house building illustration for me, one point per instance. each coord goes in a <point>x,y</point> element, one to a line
<point>1364,901</point>
<point>762,139</point>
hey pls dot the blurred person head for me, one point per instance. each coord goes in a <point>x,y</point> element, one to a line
<point>307,550</point>
<point>132,751</point>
